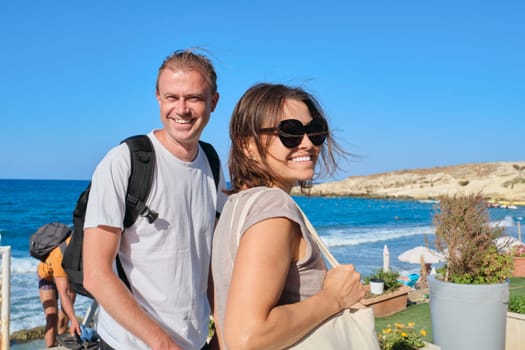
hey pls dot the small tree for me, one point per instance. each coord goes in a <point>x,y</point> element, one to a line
<point>463,229</point>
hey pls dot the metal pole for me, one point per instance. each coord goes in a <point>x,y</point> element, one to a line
<point>6,292</point>
<point>90,314</point>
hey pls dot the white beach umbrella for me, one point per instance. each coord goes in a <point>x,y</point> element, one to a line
<point>413,256</point>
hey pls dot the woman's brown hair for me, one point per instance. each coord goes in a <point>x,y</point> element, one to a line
<point>260,107</point>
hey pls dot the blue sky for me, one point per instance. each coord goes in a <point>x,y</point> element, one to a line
<point>406,84</point>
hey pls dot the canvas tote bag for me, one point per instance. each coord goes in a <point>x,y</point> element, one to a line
<point>349,329</point>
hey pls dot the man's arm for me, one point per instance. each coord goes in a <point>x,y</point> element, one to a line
<point>66,300</point>
<point>99,252</point>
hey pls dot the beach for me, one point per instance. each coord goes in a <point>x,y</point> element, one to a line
<point>355,229</point>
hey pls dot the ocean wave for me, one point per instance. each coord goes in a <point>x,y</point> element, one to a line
<point>23,265</point>
<point>507,221</point>
<point>356,236</point>
<point>351,236</point>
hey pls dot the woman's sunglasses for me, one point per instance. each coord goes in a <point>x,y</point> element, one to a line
<point>292,131</point>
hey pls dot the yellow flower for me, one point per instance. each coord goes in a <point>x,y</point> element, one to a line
<point>402,335</point>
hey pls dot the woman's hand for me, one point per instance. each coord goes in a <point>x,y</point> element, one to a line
<point>343,283</point>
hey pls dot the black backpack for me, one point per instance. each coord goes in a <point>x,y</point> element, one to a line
<point>47,238</point>
<point>139,186</point>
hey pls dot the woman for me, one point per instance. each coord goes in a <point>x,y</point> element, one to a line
<point>271,285</point>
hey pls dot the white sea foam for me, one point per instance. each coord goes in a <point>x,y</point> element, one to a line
<point>352,237</point>
<point>348,236</point>
<point>23,265</point>
<point>507,221</point>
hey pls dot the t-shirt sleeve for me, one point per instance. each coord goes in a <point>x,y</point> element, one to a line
<point>109,184</point>
<point>55,260</point>
<point>270,204</point>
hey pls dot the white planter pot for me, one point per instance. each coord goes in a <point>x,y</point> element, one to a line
<point>467,316</point>
<point>377,286</point>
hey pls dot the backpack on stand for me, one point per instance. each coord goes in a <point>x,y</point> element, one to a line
<point>47,238</point>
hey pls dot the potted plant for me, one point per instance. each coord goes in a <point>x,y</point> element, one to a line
<point>394,297</point>
<point>389,279</point>
<point>468,302</point>
<point>515,339</point>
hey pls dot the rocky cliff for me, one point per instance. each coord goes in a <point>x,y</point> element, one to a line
<point>498,181</point>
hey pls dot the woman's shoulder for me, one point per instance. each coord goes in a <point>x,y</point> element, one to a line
<point>264,197</point>
<point>263,192</point>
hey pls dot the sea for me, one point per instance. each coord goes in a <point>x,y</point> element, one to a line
<point>355,229</point>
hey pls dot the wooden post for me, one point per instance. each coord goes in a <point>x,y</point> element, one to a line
<point>5,297</point>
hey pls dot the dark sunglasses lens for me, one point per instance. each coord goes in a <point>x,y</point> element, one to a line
<point>317,139</point>
<point>316,126</point>
<point>291,132</point>
<point>317,131</point>
<point>291,127</point>
<point>291,141</point>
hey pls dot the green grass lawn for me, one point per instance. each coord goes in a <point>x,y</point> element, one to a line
<point>420,313</point>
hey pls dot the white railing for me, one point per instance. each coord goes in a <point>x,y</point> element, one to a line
<point>5,296</point>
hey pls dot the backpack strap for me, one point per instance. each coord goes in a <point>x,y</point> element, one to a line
<point>140,179</point>
<point>62,246</point>
<point>215,165</point>
<point>213,159</point>
<point>139,185</point>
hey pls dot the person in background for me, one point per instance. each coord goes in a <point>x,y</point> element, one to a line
<point>271,284</point>
<point>167,262</point>
<point>53,285</point>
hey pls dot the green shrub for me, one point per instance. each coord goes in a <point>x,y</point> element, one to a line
<point>517,304</point>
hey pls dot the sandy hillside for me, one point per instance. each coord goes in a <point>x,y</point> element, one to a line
<point>503,181</point>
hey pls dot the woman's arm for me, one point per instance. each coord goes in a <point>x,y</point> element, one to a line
<point>252,319</point>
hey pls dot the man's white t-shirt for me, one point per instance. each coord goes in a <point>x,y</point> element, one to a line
<point>167,262</point>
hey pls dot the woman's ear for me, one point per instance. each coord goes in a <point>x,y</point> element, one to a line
<point>250,150</point>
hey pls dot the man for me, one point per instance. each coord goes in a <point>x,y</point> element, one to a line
<point>166,262</point>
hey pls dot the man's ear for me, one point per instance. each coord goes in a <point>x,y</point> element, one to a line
<point>214,101</point>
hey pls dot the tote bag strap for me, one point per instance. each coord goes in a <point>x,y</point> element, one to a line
<point>326,252</point>
<point>244,212</point>
<point>324,249</point>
